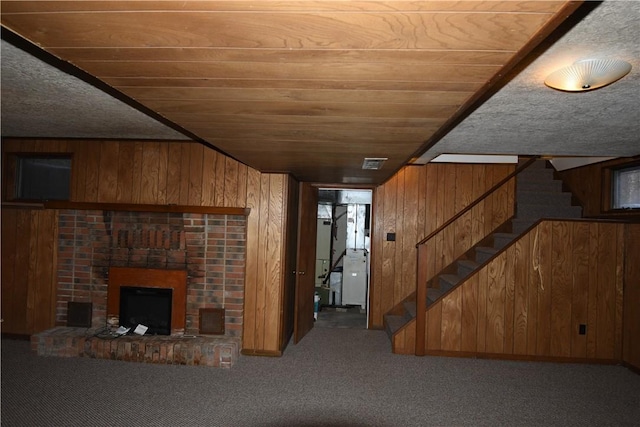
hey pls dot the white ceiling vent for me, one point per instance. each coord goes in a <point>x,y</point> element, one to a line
<point>374,163</point>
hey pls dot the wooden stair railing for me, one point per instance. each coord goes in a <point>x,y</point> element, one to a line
<point>421,275</point>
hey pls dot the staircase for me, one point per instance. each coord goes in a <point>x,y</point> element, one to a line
<point>538,195</point>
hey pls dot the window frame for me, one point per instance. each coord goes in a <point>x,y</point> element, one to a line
<point>11,175</point>
<point>609,184</point>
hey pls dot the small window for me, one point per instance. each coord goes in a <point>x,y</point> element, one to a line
<point>42,178</point>
<point>626,188</point>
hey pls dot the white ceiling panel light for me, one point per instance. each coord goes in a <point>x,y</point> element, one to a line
<point>588,74</point>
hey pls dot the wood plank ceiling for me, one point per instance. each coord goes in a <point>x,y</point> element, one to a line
<point>306,87</point>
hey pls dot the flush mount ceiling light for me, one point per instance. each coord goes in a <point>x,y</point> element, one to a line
<point>588,74</point>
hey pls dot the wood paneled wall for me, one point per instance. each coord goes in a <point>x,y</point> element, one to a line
<point>182,173</point>
<point>415,202</point>
<point>631,331</point>
<point>29,270</point>
<point>532,299</point>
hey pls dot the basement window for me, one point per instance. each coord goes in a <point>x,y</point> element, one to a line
<point>39,178</point>
<point>625,191</point>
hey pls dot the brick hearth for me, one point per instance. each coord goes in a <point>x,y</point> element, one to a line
<point>169,350</point>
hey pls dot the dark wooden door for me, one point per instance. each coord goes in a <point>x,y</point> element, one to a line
<point>305,261</point>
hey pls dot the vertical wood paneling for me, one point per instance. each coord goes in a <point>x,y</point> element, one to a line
<point>561,290</point>
<point>108,171</point>
<point>377,285</point>
<point>469,332</point>
<point>606,298</point>
<point>592,305</point>
<point>580,287</point>
<point>398,286</point>
<point>9,282</point>
<point>29,261</point>
<point>482,310</point>
<point>533,279</point>
<point>619,293</point>
<point>631,334</point>
<point>451,321</point>
<point>44,283</point>
<point>252,269</point>
<point>495,306</point>
<point>263,263</point>
<point>521,295</point>
<point>196,154</point>
<point>78,172</point>
<point>136,180</point>
<point>241,192</point>
<point>531,299</point>
<point>410,230</point>
<point>389,248</point>
<point>434,327</point>
<point>543,345</point>
<point>149,179</point>
<point>274,277</point>
<point>92,178</point>
<point>163,166</point>
<point>174,163</point>
<point>209,177</point>
<point>124,192</point>
<point>185,173</point>
<point>230,182</point>
<point>509,301</point>
<point>477,225</point>
<point>219,189</point>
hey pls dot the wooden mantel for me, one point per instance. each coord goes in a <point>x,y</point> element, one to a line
<point>133,207</point>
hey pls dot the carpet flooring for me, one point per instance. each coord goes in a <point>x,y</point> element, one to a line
<point>333,377</point>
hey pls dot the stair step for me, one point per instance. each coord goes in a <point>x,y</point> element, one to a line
<point>410,308</point>
<point>543,198</point>
<point>483,253</point>
<point>394,323</point>
<point>500,240</point>
<point>448,281</point>
<point>518,225</point>
<point>541,211</point>
<point>538,185</point>
<point>466,267</point>
<point>536,174</point>
<point>432,295</point>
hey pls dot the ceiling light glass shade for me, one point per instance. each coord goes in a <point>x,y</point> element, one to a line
<point>588,74</point>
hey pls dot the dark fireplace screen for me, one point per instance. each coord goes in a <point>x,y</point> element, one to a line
<point>150,307</point>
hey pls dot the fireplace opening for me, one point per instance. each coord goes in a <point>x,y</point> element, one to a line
<point>150,307</point>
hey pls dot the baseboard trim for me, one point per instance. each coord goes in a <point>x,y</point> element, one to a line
<point>523,357</point>
<point>632,368</point>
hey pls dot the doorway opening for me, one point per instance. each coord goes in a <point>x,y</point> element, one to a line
<point>343,246</point>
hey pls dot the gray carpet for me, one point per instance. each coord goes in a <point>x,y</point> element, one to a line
<point>334,377</point>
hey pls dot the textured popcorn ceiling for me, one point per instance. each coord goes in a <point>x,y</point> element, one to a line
<point>526,117</point>
<point>39,100</point>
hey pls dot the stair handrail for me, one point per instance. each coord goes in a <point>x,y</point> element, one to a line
<point>421,279</point>
<point>478,200</point>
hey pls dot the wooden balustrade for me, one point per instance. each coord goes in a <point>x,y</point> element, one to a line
<point>428,266</point>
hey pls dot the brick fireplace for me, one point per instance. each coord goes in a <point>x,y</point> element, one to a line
<point>209,248</point>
